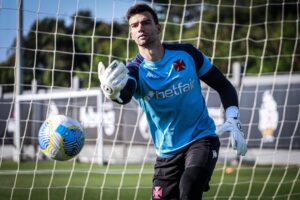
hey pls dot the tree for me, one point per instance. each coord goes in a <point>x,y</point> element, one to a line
<point>55,52</point>
<point>258,51</point>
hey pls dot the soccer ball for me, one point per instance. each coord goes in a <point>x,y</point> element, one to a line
<point>61,137</point>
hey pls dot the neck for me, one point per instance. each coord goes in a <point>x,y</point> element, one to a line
<point>153,53</point>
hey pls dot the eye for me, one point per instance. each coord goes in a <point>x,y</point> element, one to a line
<point>134,25</point>
<point>146,22</point>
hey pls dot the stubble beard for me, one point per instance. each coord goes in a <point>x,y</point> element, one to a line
<point>148,43</point>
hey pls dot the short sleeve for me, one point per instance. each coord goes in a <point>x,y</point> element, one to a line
<point>206,65</point>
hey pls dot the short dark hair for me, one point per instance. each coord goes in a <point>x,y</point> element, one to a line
<point>139,8</point>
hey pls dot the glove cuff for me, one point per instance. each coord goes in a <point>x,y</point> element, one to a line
<point>232,112</point>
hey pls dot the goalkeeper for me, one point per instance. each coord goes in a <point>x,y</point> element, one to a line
<point>164,80</point>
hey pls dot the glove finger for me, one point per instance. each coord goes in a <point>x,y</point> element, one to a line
<point>116,65</point>
<point>101,70</point>
<point>233,141</point>
<point>117,80</point>
<point>241,150</point>
<point>241,146</point>
<point>113,73</point>
<point>118,73</point>
<point>120,81</point>
<point>119,99</point>
<point>244,149</point>
<point>124,82</point>
<point>113,65</point>
<point>223,128</point>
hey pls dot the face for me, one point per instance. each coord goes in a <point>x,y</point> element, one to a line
<point>143,29</point>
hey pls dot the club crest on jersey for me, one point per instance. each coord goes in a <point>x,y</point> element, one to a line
<point>157,192</point>
<point>179,65</point>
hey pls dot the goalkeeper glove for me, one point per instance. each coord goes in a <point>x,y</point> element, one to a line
<point>113,79</point>
<point>233,126</point>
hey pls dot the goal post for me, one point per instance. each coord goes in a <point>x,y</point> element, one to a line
<point>51,108</point>
<point>18,77</point>
<point>49,53</point>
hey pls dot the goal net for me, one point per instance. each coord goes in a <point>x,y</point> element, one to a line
<point>48,65</point>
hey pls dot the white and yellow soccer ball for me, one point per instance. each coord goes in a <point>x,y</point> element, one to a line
<point>61,137</point>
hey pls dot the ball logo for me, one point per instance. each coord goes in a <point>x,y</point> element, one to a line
<point>73,139</point>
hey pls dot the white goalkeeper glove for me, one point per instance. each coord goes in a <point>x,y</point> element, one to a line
<point>113,79</point>
<point>233,126</point>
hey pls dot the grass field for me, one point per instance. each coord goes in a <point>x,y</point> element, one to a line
<point>64,180</point>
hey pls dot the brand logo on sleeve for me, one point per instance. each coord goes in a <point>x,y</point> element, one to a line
<point>215,154</point>
<point>151,75</point>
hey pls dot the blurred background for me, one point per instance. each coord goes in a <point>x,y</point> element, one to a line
<point>49,51</point>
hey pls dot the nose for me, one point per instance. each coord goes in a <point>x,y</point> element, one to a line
<point>140,27</point>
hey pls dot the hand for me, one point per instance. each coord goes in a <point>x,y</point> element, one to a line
<point>113,79</point>
<point>233,126</point>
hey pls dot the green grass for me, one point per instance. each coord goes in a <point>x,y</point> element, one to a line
<point>60,180</point>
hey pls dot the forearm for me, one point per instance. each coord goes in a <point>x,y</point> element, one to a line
<point>216,80</point>
<point>228,95</point>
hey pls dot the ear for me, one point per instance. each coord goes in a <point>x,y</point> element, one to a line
<point>130,35</point>
<point>158,28</point>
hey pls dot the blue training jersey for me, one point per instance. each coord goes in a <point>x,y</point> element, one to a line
<point>170,94</point>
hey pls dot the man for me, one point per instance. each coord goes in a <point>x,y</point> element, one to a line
<point>164,80</point>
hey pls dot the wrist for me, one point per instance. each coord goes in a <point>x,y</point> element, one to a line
<point>232,112</point>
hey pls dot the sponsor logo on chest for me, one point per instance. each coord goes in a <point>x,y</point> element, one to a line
<point>175,90</point>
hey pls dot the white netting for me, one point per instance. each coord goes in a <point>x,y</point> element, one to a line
<point>255,43</point>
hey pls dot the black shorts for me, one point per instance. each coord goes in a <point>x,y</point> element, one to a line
<point>186,175</point>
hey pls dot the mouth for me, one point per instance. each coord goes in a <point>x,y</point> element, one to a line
<point>142,36</point>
